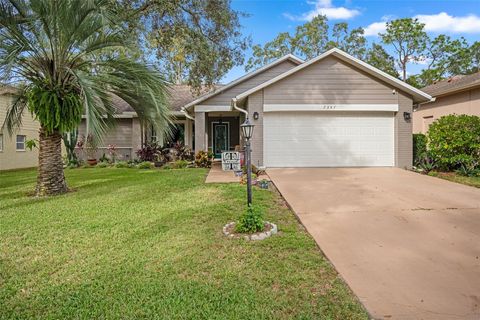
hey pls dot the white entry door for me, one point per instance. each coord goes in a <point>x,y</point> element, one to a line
<point>328,139</point>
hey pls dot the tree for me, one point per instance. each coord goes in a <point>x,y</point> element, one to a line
<point>446,57</point>
<point>194,41</point>
<point>278,47</point>
<point>310,40</point>
<point>408,38</point>
<point>66,54</point>
<point>380,59</point>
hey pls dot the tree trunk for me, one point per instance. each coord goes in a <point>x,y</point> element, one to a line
<point>51,180</point>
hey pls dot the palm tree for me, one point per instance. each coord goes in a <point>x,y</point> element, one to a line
<point>68,58</point>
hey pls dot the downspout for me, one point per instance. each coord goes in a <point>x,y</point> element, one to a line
<point>234,106</point>
<point>187,115</point>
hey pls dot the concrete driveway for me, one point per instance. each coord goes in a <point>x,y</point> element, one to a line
<point>408,245</point>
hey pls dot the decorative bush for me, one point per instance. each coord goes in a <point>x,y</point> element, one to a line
<point>454,141</point>
<point>146,165</point>
<point>122,164</point>
<point>244,179</point>
<point>203,159</point>
<point>180,164</point>
<point>149,152</point>
<point>419,148</point>
<point>254,169</point>
<point>102,164</point>
<point>183,152</point>
<point>250,221</point>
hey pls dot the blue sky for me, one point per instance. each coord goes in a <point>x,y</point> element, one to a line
<point>269,17</point>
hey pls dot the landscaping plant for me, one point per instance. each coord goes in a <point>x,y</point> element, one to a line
<point>454,142</point>
<point>70,58</point>
<point>203,159</point>
<point>251,221</point>
<point>149,152</point>
<point>146,165</point>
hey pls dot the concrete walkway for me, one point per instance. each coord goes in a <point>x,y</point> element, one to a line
<point>217,175</point>
<point>407,244</point>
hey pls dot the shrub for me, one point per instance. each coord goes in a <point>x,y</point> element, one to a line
<point>454,141</point>
<point>203,159</point>
<point>244,178</point>
<point>419,148</point>
<point>122,164</point>
<point>180,164</point>
<point>102,164</point>
<point>149,152</point>
<point>254,169</point>
<point>183,152</point>
<point>146,165</point>
<point>250,221</point>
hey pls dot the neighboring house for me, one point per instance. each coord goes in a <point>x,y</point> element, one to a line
<point>331,111</point>
<point>13,151</point>
<point>459,95</point>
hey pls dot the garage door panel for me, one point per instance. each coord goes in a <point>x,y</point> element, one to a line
<point>328,139</point>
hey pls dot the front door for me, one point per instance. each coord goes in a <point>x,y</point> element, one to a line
<point>220,138</point>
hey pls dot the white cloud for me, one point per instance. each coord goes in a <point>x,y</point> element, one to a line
<point>324,7</point>
<point>375,28</point>
<point>441,22</point>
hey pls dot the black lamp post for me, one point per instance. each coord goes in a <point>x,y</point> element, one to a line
<point>247,132</point>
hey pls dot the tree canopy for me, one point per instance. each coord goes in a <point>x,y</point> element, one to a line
<point>193,41</point>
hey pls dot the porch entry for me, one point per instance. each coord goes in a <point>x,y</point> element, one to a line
<point>220,137</point>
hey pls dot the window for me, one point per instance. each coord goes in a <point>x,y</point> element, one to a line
<point>21,143</point>
<point>1,142</point>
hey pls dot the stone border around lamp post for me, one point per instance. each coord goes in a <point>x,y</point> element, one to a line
<point>229,231</point>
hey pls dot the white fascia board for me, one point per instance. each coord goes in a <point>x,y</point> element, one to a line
<point>207,108</point>
<point>329,107</point>
<point>346,57</point>
<point>243,78</point>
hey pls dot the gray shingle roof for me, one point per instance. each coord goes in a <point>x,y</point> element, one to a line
<point>453,84</point>
<point>180,95</point>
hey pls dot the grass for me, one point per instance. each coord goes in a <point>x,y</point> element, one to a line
<point>131,243</point>
<point>452,176</point>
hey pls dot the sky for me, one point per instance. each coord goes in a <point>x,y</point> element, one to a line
<point>267,18</point>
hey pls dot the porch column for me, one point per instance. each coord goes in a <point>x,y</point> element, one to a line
<point>200,132</point>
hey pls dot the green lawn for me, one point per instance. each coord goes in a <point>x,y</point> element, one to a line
<point>148,244</point>
<point>451,176</point>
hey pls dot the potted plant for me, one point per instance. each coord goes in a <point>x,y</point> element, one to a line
<point>91,149</point>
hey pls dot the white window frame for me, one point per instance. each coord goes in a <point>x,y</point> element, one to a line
<point>1,142</point>
<point>24,141</point>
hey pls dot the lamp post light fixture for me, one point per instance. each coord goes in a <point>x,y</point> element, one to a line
<point>247,132</point>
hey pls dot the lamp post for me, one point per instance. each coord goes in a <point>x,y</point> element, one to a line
<point>247,132</point>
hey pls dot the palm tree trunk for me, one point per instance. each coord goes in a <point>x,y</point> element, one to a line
<point>51,180</point>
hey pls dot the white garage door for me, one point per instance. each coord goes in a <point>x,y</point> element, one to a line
<point>328,139</point>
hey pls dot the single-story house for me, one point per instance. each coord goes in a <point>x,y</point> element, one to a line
<point>331,111</point>
<point>14,153</point>
<point>459,94</point>
<point>129,133</point>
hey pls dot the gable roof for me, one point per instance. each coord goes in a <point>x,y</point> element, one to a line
<point>247,76</point>
<point>453,84</point>
<point>418,95</point>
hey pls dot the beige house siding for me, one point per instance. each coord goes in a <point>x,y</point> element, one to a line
<point>333,81</point>
<point>225,98</point>
<point>330,80</point>
<point>10,158</point>
<point>121,135</point>
<point>466,102</point>
<point>403,133</point>
<point>255,104</point>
